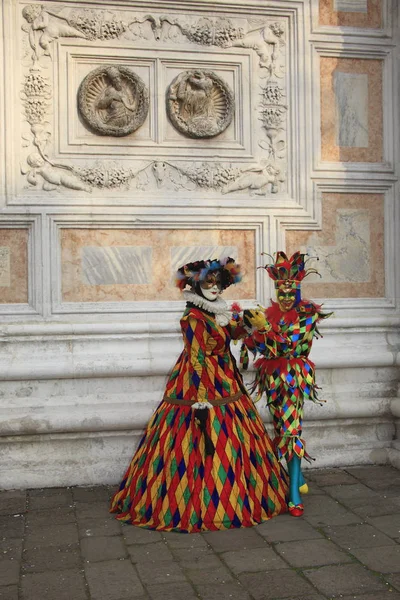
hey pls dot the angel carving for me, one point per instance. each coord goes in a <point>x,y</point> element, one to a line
<point>45,27</point>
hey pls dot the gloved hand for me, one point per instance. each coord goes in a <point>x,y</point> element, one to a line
<point>255,318</point>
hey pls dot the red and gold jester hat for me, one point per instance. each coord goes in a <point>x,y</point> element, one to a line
<point>288,273</point>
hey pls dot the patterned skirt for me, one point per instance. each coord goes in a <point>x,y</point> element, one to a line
<point>171,485</point>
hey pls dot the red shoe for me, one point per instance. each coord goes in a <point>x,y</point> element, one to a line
<point>296,510</point>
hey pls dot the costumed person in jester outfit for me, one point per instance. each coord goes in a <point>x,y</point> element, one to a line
<point>205,461</point>
<point>282,340</point>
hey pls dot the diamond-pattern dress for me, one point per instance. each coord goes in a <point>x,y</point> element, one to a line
<point>172,484</point>
<point>285,373</point>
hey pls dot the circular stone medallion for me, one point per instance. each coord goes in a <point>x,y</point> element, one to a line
<point>200,104</point>
<point>113,101</point>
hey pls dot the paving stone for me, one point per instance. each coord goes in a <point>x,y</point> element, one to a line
<point>386,559</point>
<point>48,491</point>
<point>390,491</point>
<point>388,595</point>
<point>333,580</point>
<point>383,474</point>
<point>100,493</point>
<point>394,580</point>
<point>172,591</point>
<point>140,535</point>
<point>59,514</point>
<point>12,526</point>
<point>113,580</point>
<point>10,549</point>
<point>286,529</point>
<point>311,553</point>
<point>158,551</point>
<point>51,535</point>
<point>54,585</point>
<point>358,536</point>
<point>193,556</point>
<point>98,527</point>
<point>94,510</point>
<point>255,559</point>
<point>46,499</point>
<point>9,592</point>
<point>9,572</point>
<point>269,585</point>
<point>321,511</point>
<point>99,548</point>
<point>389,524</point>
<point>324,477</point>
<point>12,502</point>
<point>203,562</point>
<point>212,574</point>
<point>160,572</point>
<point>226,591</point>
<point>304,597</point>
<point>377,508</point>
<point>51,558</point>
<point>352,495</point>
<point>185,540</point>
<point>322,505</point>
<point>234,539</point>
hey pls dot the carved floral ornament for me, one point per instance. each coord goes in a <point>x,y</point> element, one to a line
<point>113,101</point>
<point>203,107</point>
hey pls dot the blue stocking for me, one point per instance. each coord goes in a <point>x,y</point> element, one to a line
<point>294,479</point>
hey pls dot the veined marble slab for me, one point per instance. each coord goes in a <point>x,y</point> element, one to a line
<point>181,255</point>
<point>351,94</point>
<point>108,265</point>
<point>349,260</point>
<point>5,269</point>
<point>360,6</point>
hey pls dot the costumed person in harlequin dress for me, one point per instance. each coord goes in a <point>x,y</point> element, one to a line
<point>205,461</point>
<point>282,340</point>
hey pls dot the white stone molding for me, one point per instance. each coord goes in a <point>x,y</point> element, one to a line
<point>370,170</point>
<point>57,157</point>
<point>33,224</point>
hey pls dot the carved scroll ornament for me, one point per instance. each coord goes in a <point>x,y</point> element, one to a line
<point>113,101</point>
<point>200,104</point>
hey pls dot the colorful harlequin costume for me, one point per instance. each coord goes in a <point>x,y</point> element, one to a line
<point>205,461</point>
<point>282,343</point>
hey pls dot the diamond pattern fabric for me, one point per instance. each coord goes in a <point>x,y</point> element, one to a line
<point>171,483</point>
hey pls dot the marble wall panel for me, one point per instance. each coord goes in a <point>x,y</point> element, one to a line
<point>116,265</point>
<point>14,266</point>
<point>103,265</point>
<point>350,6</point>
<point>351,110</point>
<point>351,13</point>
<point>351,119</point>
<point>350,248</point>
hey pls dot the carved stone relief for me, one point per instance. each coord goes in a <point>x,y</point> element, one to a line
<point>200,104</point>
<point>113,101</point>
<point>44,26</point>
<point>208,177</point>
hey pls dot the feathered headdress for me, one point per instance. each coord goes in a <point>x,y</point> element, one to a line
<point>289,272</point>
<point>197,271</point>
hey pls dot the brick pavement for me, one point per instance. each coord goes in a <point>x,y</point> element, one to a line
<point>61,544</point>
